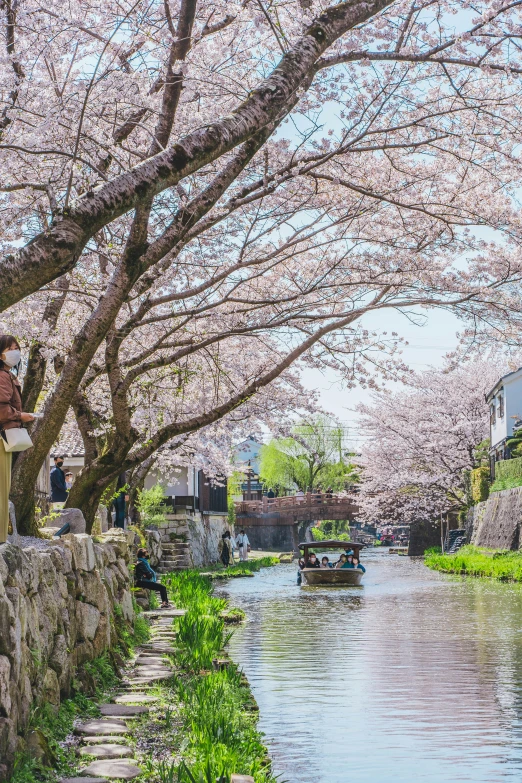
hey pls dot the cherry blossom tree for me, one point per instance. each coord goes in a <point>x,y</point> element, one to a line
<point>420,440</point>
<point>168,211</point>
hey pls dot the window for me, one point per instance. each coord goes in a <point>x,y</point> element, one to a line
<point>501,406</point>
<point>492,413</point>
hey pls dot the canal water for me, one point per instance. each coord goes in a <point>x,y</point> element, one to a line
<point>414,676</point>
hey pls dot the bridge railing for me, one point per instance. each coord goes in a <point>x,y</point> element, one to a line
<point>294,502</point>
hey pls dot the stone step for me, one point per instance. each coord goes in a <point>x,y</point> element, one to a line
<point>83,780</point>
<point>175,545</point>
<point>101,740</point>
<point>107,750</point>
<point>135,698</point>
<point>102,727</point>
<point>122,710</point>
<point>113,770</point>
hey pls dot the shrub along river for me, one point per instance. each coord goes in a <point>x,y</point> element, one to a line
<point>414,676</point>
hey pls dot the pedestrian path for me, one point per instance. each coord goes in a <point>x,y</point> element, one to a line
<point>103,740</point>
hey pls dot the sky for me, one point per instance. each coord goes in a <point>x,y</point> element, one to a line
<point>427,346</point>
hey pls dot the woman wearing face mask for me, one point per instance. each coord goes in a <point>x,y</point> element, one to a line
<point>10,416</point>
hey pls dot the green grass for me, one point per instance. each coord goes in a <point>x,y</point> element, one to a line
<point>506,483</point>
<point>217,710</point>
<point>247,567</point>
<point>475,561</point>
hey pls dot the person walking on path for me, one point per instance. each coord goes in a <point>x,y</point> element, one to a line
<point>225,548</point>
<point>243,544</point>
<point>11,416</point>
<point>58,482</point>
<point>145,577</point>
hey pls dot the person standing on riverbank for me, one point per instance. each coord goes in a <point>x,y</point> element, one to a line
<point>243,544</point>
<point>11,417</point>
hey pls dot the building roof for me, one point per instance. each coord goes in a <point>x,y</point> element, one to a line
<point>500,381</point>
<point>69,444</point>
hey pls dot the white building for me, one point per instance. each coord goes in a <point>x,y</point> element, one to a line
<point>505,410</point>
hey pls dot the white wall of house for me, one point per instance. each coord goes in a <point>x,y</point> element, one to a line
<point>183,482</point>
<point>506,399</point>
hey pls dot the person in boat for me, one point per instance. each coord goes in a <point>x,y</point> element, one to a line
<point>325,563</point>
<point>349,561</point>
<point>340,563</point>
<point>312,561</point>
<point>357,564</point>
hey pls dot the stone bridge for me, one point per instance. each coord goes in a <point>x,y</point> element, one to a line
<point>273,523</point>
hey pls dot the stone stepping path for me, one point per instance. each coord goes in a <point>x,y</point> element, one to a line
<point>104,739</point>
<point>107,750</point>
<point>135,698</point>
<point>119,770</point>
<point>122,710</point>
<point>83,780</point>
<point>102,727</point>
<point>156,614</point>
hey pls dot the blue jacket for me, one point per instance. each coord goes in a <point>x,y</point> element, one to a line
<point>58,485</point>
<point>144,571</point>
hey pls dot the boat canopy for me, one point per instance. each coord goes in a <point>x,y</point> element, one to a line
<point>333,544</point>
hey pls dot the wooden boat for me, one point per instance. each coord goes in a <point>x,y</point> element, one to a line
<point>331,576</point>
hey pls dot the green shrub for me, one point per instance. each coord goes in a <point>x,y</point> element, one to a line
<point>151,505</point>
<point>479,484</point>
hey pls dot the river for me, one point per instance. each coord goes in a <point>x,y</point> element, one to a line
<point>414,676</point>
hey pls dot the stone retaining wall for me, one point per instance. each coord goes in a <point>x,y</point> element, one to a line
<point>497,521</point>
<point>201,532</point>
<point>56,613</point>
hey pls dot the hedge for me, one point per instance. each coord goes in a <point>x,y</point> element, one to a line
<point>508,469</point>
<point>479,484</point>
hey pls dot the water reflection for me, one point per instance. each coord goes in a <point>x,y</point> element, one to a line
<point>413,677</point>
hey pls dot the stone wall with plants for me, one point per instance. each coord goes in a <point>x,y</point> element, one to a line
<point>59,609</point>
<point>497,522</point>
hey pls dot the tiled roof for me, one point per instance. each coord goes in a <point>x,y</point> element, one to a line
<point>69,444</point>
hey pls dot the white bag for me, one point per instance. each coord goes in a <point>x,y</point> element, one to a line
<point>16,439</point>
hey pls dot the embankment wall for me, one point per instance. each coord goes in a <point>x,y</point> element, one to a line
<point>57,609</point>
<point>497,522</point>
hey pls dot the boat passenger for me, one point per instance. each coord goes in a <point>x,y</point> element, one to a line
<point>302,563</point>
<point>325,563</point>
<point>340,563</point>
<point>349,562</point>
<point>357,564</point>
<point>313,562</point>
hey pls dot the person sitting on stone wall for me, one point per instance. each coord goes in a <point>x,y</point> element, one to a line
<point>145,577</point>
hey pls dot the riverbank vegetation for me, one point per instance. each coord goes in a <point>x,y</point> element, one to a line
<point>243,568</point>
<point>476,561</point>
<point>217,712</point>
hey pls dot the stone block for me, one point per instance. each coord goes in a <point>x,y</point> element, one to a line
<point>74,517</point>
<point>5,695</point>
<point>88,620</point>
<point>7,621</point>
<point>241,779</point>
<point>126,606</point>
<point>58,659</point>
<point>82,551</point>
<point>51,688</point>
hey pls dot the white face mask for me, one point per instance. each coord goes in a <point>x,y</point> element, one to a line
<point>12,358</point>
